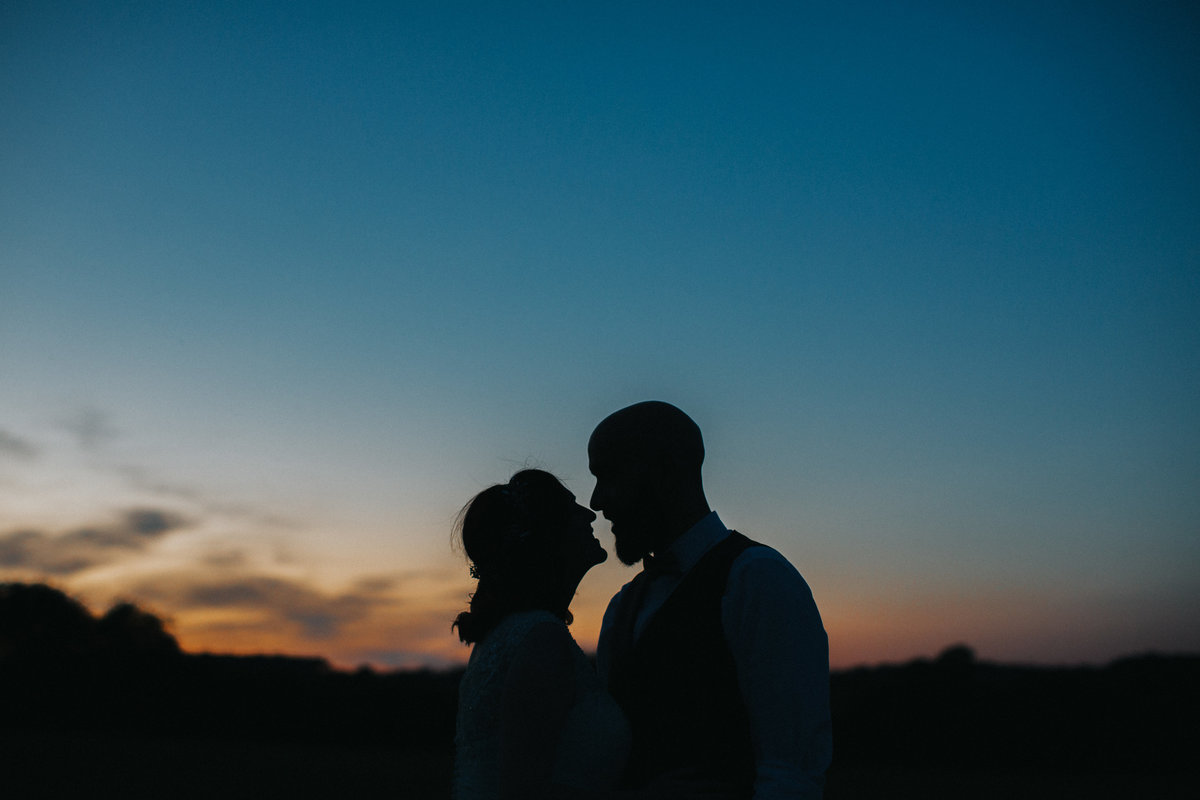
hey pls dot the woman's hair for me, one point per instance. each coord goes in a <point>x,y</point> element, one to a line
<point>507,533</point>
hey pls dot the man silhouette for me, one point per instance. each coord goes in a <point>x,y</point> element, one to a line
<point>715,650</point>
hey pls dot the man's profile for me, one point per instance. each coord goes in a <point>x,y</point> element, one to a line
<point>715,650</point>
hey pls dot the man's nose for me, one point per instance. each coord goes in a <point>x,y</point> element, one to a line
<point>595,500</point>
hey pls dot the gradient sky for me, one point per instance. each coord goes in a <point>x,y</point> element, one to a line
<point>282,285</point>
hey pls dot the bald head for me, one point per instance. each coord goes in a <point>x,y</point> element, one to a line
<point>652,431</point>
<point>646,459</point>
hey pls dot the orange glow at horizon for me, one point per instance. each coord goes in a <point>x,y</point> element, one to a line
<point>406,623</point>
<point>858,637</point>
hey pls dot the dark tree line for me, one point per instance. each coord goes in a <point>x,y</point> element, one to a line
<point>956,712</point>
<point>63,668</point>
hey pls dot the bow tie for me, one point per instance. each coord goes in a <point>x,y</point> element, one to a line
<point>655,566</point>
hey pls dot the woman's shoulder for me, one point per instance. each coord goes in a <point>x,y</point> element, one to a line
<point>526,620</point>
<point>521,631</point>
<point>526,656</point>
<point>538,635</point>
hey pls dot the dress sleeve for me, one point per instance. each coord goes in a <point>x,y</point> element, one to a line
<point>782,655</point>
<point>538,692</point>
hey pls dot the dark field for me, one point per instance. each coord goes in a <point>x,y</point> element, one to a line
<point>117,710</point>
<point>229,727</point>
<point>74,764</point>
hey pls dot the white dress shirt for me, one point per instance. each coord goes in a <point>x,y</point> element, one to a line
<point>779,646</point>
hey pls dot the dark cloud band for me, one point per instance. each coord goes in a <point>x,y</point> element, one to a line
<point>88,546</point>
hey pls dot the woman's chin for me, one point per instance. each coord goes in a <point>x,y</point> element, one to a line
<point>594,555</point>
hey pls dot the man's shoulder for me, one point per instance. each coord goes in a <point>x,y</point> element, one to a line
<point>759,552</point>
<point>760,562</point>
<point>764,585</point>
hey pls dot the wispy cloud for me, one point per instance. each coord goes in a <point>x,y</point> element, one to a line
<point>377,585</point>
<point>13,446</point>
<point>386,620</point>
<point>87,546</point>
<point>91,427</point>
<point>225,559</point>
<point>265,602</point>
<point>141,479</point>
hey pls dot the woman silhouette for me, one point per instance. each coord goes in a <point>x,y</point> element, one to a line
<point>533,718</point>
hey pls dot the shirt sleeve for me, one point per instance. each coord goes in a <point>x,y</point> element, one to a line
<point>782,655</point>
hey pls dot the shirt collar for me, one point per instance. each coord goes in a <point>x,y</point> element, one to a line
<point>698,540</point>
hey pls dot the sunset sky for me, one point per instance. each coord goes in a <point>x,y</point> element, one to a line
<point>282,285</point>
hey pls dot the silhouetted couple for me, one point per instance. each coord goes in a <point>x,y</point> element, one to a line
<point>713,664</point>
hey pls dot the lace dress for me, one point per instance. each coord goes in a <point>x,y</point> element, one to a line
<point>594,743</point>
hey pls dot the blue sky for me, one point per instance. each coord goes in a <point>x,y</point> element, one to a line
<point>310,275</point>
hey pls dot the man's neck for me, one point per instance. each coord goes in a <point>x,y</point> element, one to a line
<point>679,525</point>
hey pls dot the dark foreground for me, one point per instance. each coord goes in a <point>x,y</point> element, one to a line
<point>95,709</point>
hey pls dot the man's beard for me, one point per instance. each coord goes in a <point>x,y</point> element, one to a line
<point>631,547</point>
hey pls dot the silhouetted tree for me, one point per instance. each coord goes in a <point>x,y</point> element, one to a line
<point>40,622</point>
<point>127,629</point>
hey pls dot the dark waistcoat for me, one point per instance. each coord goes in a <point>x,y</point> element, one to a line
<point>678,683</point>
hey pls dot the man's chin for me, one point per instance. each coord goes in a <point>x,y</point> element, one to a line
<point>630,554</point>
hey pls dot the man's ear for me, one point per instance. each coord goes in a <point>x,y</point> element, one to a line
<point>661,477</point>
